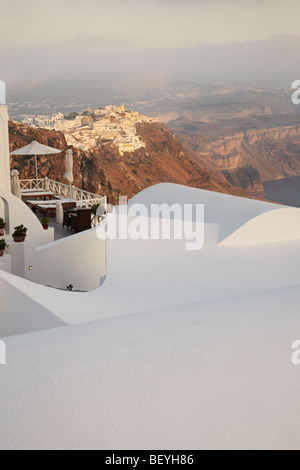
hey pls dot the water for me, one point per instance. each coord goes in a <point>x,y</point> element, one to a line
<point>285,191</point>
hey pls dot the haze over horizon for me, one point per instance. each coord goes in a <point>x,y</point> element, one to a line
<point>139,46</point>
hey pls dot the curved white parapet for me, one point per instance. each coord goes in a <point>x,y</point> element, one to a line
<point>15,212</point>
<point>276,226</point>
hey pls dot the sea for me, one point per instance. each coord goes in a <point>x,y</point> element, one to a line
<point>285,191</point>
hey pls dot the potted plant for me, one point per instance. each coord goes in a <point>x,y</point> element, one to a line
<point>3,246</point>
<point>19,234</point>
<point>45,223</point>
<point>2,227</point>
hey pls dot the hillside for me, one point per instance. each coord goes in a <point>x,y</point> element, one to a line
<point>247,151</point>
<point>104,171</point>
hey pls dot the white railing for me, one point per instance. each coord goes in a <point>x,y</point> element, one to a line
<point>34,185</point>
<point>63,191</point>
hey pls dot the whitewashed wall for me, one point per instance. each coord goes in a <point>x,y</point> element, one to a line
<point>4,147</point>
<point>24,314</point>
<point>79,260</point>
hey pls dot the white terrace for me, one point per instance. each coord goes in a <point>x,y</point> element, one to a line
<point>78,259</point>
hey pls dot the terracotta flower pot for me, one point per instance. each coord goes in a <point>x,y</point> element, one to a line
<point>45,226</point>
<point>2,231</point>
<point>19,238</point>
<point>1,253</point>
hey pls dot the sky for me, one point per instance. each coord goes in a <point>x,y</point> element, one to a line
<point>248,41</point>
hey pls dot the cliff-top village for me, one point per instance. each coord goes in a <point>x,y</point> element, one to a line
<point>111,124</point>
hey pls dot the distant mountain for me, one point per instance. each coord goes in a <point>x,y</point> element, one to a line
<point>105,171</point>
<point>74,94</point>
<point>217,99</point>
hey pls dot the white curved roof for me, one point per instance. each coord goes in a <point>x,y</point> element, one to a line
<point>214,375</point>
<point>230,213</point>
<point>184,350</point>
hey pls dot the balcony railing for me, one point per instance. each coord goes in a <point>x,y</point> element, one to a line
<point>63,191</point>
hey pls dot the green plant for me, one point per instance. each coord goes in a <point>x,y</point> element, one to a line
<point>45,221</point>
<point>3,244</point>
<point>94,208</point>
<point>70,287</point>
<point>20,230</point>
<point>2,223</point>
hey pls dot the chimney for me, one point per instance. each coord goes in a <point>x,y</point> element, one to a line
<point>4,145</point>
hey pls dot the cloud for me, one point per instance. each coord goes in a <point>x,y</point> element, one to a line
<point>136,71</point>
<point>155,23</point>
<point>286,44</point>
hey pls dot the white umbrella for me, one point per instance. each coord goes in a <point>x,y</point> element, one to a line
<point>35,148</point>
<point>59,213</point>
<point>69,170</point>
<point>15,184</point>
<point>47,184</point>
<point>69,166</point>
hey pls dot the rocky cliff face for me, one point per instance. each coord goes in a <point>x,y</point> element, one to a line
<point>105,171</point>
<point>250,152</point>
